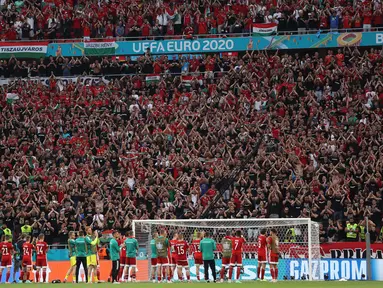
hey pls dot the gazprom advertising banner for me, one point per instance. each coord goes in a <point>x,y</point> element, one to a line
<point>335,269</point>
<point>297,269</point>
<point>216,45</point>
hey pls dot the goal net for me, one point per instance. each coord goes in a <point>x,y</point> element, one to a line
<point>299,247</point>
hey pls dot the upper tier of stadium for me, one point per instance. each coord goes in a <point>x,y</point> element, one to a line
<point>131,19</point>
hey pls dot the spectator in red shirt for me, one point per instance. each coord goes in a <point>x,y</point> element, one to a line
<point>212,24</point>
<point>86,30</point>
<point>77,26</point>
<point>10,33</point>
<point>170,28</point>
<point>202,26</point>
<point>328,58</point>
<point>188,20</point>
<point>339,58</point>
<point>196,18</point>
<point>377,18</point>
<point>221,20</point>
<point>367,19</point>
<point>357,21</point>
<point>324,22</point>
<point>188,32</point>
<point>109,29</point>
<point>2,24</point>
<point>346,21</point>
<point>140,20</point>
<point>146,29</point>
<point>248,24</point>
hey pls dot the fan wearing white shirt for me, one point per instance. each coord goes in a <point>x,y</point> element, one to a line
<point>163,21</point>
<point>98,220</point>
<point>31,22</point>
<point>18,24</point>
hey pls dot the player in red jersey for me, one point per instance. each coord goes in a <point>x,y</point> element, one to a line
<point>6,250</point>
<point>26,261</point>
<point>273,253</point>
<point>262,254</point>
<point>172,255</point>
<point>236,256</point>
<point>41,258</point>
<point>226,254</point>
<point>120,242</point>
<point>181,248</point>
<point>197,253</point>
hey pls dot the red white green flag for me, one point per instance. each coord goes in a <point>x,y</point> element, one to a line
<point>230,54</point>
<point>264,29</point>
<point>153,78</point>
<point>188,79</point>
<point>100,48</point>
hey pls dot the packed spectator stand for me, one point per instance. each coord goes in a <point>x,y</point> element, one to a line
<point>31,20</point>
<point>103,153</point>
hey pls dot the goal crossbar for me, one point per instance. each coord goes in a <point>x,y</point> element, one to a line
<point>229,223</point>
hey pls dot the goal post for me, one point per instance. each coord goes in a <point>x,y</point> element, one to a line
<point>299,245</point>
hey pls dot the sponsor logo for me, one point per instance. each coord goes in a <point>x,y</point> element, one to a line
<point>22,49</point>
<point>100,45</point>
<point>334,269</point>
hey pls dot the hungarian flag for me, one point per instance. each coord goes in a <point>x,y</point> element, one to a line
<point>188,79</point>
<point>170,12</point>
<point>264,29</point>
<point>106,236</point>
<point>23,49</point>
<point>152,78</point>
<point>100,48</point>
<point>12,97</point>
<point>120,58</point>
<point>229,54</point>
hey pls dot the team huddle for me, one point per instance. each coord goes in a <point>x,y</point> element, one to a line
<point>22,253</point>
<point>82,251</point>
<point>167,256</point>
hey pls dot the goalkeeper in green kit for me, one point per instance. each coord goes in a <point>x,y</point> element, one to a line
<point>207,247</point>
<point>72,256</point>
<point>81,255</point>
<point>91,241</point>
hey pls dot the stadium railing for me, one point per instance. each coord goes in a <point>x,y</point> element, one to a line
<point>105,77</point>
<point>198,36</point>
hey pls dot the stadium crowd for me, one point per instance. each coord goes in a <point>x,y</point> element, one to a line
<point>30,19</point>
<point>105,152</point>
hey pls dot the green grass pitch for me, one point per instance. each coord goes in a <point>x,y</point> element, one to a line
<point>250,284</point>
